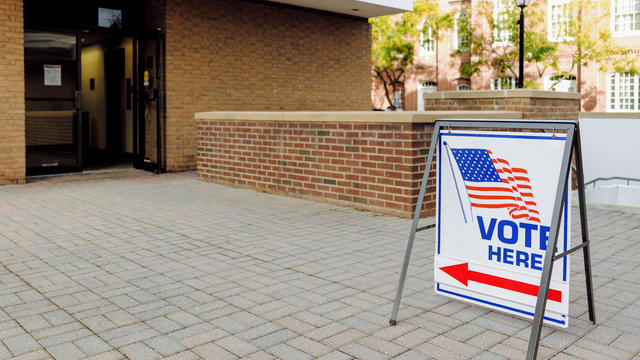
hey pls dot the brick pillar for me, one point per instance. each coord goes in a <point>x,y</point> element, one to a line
<point>12,107</point>
<point>534,104</point>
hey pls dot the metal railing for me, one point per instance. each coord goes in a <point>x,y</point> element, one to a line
<point>628,180</point>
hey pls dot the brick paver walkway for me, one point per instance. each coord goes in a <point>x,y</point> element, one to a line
<point>141,266</point>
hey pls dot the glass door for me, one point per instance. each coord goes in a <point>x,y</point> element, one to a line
<point>53,102</point>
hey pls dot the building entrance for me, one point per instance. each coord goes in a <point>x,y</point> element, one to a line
<point>88,95</point>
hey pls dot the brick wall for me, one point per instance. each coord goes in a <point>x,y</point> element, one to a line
<point>241,55</point>
<point>12,118</point>
<point>534,104</point>
<point>375,165</point>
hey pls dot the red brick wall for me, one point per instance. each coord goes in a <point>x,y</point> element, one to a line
<point>371,166</point>
<point>241,55</point>
<point>12,118</point>
<point>555,106</point>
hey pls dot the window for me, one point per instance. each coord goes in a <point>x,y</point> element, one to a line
<point>397,99</point>
<point>427,43</point>
<point>560,82</point>
<point>559,20</point>
<point>502,10</point>
<point>626,16</point>
<point>110,18</point>
<point>622,92</point>
<point>425,87</point>
<point>503,83</point>
<point>461,32</point>
<point>462,87</point>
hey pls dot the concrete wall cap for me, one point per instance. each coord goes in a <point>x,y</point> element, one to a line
<point>610,115</point>
<point>356,116</point>
<point>493,94</point>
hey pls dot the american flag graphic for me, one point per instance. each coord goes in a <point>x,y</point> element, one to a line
<point>492,183</point>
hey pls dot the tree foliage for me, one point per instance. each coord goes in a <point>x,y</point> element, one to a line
<point>494,40</point>
<point>394,38</point>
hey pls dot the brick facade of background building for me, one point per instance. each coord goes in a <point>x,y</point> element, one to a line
<point>240,55</point>
<point>12,103</point>
<point>439,67</point>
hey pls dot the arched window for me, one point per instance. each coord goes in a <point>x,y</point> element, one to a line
<point>462,87</point>
<point>425,87</point>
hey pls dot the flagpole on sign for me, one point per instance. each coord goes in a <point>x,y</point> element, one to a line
<point>453,174</point>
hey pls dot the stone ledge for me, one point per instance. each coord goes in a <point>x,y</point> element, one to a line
<point>498,94</point>
<point>408,117</point>
<point>610,115</point>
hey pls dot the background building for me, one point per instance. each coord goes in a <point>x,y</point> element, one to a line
<point>602,89</point>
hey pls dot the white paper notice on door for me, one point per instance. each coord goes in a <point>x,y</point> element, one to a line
<point>53,75</point>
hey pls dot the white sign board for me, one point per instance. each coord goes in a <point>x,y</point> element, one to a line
<point>52,75</point>
<point>495,198</point>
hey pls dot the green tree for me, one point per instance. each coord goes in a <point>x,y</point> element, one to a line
<point>394,38</point>
<point>583,39</point>
<point>493,37</point>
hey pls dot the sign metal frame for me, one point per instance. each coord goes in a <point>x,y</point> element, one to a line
<point>572,148</point>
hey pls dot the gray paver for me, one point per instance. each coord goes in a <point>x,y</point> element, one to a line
<point>167,266</point>
<point>20,344</point>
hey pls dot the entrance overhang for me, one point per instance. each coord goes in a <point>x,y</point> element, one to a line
<point>359,8</point>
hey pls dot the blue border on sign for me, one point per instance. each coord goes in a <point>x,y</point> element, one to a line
<point>500,305</point>
<point>564,259</point>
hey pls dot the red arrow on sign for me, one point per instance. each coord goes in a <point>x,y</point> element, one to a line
<point>462,273</point>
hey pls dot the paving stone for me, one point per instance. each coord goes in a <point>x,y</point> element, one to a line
<point>139,351</point>
<point>213,352</point>
<point>92,345</point>
<point>164,345</point>
<point>286,352</point>
<point>65,351</point>
<point>236,345</point>
<point>219,272</point>
<point>20,344</point>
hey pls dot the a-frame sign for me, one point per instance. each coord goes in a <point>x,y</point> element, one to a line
<point>502,205</point>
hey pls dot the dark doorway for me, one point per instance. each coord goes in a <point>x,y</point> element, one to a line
<point>87,105</point>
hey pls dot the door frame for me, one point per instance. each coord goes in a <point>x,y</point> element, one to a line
<point>78,106</point>
<point>145,96</point>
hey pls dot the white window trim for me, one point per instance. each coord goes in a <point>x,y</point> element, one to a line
<point>424,52</point>
<point>636,95</point>
<point>463,87</point>
<point>512,81</point>
<point>425,87</point>
<point>550,4</point>
<point>496,31</point>
<point>613,25</point>
<point>456,44</point>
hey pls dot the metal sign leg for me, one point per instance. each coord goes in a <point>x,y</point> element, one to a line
<point>414,225</point>
<point>545,279</point>
<point>584,228</point>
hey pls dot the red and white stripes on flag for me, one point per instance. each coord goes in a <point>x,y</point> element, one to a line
<point>514,193</point>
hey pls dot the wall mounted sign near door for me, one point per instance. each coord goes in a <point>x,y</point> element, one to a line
<point>52,75</point>
<point>495,197</point>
